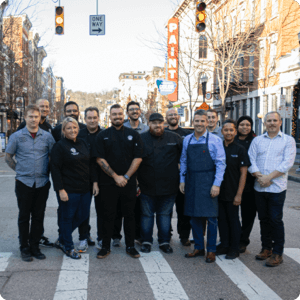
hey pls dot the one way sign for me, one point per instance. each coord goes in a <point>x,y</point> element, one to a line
<point>97,25</point>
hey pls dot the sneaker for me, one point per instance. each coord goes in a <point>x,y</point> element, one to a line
<point>264,254</point>
<point>103,253</point>
<point>232,254</point>
<point>185,242</point>
<point>59,245</point>
<point>99,245</point>
<point>83,246</point>
<point>132,252</point>
<point>166,248</point>
<point>243,248</point>
<point>45,242</point>
<point>36,253</point>
<point>146,248</point>
<point>26,255</point>
<point>274,260</point>
<point>90,241</point>
<point>116,243</point>
<point>221,250</point>
<point>73,254</point>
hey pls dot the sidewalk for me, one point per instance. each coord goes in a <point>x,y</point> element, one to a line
<point>293,175</point>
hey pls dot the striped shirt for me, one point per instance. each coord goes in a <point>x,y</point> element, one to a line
<point>267,155</point>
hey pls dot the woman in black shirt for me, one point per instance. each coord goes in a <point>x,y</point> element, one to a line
<point>72,173</point>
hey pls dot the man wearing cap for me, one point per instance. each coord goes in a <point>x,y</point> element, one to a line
<point>158,178</point>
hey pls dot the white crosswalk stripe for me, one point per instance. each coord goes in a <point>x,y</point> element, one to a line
<point>4,258</point>
<point>293,253</point>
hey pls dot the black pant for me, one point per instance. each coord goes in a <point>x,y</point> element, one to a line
<point>183,222</point>
<point>248,213</point>
<point>229,225</point>
<point>110,195</point>
<point>31,203</point>
<point>84,228</point>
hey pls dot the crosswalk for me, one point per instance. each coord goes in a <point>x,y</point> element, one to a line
<point>73,279</point>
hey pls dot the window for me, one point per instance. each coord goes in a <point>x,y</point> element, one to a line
<point>251,108</point>
<point>244,107</point>
<point>241,67</point>
<point>202,46</point>
<point>251,68</point>
<point>273,50</point>
<point>252,7</point>
<point>261,63</point>
<point>237,108</point>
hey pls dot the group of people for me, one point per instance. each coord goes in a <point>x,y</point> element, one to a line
<point>136,172</point>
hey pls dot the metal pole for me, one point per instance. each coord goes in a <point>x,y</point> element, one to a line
<point>166,56</point>
<point>97,6</point>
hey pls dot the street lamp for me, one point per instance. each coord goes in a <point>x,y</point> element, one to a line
<point>260,116</point>
<point>203,81</point>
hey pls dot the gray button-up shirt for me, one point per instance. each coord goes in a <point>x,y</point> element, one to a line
<point>218,131</point>
<point>32,156</point>
<point>140,129</point>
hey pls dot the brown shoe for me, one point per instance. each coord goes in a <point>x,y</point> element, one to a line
<point>195,253</point>
<point>264,254</point>
<point>210,257</point>
<point>274,261</point>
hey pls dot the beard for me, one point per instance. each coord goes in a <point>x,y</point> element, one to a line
<point>156,132</point>
<point>74,117</point>
<point>117,122</point>
<point>172,122</point>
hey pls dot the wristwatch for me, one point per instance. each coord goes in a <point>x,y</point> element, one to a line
<point>126,177</point>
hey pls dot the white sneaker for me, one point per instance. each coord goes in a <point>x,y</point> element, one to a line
<point>99,245</point>
<point>83,246</point>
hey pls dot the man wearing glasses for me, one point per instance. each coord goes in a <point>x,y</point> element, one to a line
<point>134,112</point>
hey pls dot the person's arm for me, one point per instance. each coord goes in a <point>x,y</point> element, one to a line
<point>183,166</point>
<point>10,152</point>
<point>56,165</point>
<point>253,169</point>
<point>10,161</point>
<point>133,167</point>
<point>238,197</point>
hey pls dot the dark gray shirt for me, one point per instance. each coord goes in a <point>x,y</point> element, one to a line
<point>140,129</point>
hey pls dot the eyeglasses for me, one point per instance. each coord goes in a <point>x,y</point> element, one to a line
<point>71,110</point>
<point>172,115</point>
<point>133,109</point>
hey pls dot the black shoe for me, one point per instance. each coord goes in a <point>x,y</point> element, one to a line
<point>146,248</point>
<point>242,248</point>
<point>192,241</point>
<point>232,254</point>
<point>132,252</point>
<point>45,242</point>
<point>73,254</point>
<point>36,253</point>
<point>26,254</point>
<point>185,242</point>
<point>104,252</point>
<point>221,250</point>
<point>166,248</point>
<point>90,241</point>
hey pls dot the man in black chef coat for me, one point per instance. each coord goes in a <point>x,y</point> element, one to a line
<point>119,153</point>
<point>183,223</point>
<point>158,178</point>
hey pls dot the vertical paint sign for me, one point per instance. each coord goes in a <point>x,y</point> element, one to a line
<point>173,39</point>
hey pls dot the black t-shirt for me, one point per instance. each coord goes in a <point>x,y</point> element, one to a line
<point>236,157</point>
<point>181,131</point>
<point>119,148</point>
<point>158,174</point>
<point>250,179</point>
<point>56,132</point>
<point>45,126</point>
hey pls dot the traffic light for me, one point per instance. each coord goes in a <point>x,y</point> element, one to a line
<point>200,16</point>
<point>59,20</point>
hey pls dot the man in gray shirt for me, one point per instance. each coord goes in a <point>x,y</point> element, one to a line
<point>134,112</point>
<point>212,118</point>
<point>31,147</point>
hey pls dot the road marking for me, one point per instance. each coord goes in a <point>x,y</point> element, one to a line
<point>251,286</point>
<point>8,175</point>
<point>4,257</point>
<point>162,280</point>
<point>73,279</point>
<point>293,253</point>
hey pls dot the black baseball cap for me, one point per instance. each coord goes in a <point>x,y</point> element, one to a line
<point>156,117</point>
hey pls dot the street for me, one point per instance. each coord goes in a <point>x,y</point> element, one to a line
<point>153,276</point>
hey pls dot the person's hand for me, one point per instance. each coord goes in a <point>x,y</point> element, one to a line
<point>63,195</point>
<point>121,181</point>
<point>95,189</point>
<point>264,180</point>
<point>215,191</point>
<point>182,187</point>
<point>237,200</point>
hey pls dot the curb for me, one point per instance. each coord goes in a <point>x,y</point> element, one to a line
<point>294,178</point>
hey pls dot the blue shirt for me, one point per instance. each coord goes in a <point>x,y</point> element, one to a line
<point>140,129</point>
<point>32,156</point>
<point>216,151</point>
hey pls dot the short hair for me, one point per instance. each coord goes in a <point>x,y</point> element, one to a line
<point>91,108</point>
<point>173,108</point>
<point>229,121</point>
<point>33,107</point>
<point>115,106</point>
<point>212,111</point>
<point>200,112</point>
<point>70,103</point>
<point>65,122</point>
<point>272,112</point>
<point>132,103</point>
<point>41,99</point>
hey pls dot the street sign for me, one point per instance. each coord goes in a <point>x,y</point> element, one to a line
<point>203,106</point>
<point>208,95</point>
<point>282,100</point>
<point>289,112</point>
<point>165,87</point>
<point>97,25</point>
<point>180,111</point>
<point>281,110</point>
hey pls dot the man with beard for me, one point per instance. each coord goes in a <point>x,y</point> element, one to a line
<point>212,118</point>
<point>183,223</point>
<point>158,177</point>
<point>244,137</point>
<point>71,109</point>
<point>119,153</point>
<point>134,112</point>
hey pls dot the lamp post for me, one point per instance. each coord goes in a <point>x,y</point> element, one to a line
<point>260,116</point>
<point>203,81</point>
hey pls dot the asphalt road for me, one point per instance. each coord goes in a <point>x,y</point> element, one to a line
<point>153,276</point>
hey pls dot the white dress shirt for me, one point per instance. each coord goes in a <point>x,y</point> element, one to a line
<point>267,155</point>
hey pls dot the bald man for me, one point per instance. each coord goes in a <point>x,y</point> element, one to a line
<point>44,108</point>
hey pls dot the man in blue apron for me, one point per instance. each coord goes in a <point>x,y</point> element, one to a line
<point>202,166</point>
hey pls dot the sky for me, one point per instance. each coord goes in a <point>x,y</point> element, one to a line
<point>93,63</point>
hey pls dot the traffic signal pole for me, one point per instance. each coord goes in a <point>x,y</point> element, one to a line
<point>97,7</point>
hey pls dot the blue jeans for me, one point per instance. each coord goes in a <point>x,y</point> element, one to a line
<point>212,228</point>
<point>270,213</point>
<point>162,206</point>
<point>72,213</point>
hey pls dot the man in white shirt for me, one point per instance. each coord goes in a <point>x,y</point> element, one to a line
<point>272,155</point>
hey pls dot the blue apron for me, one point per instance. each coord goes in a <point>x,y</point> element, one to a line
<point>200,177</point>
